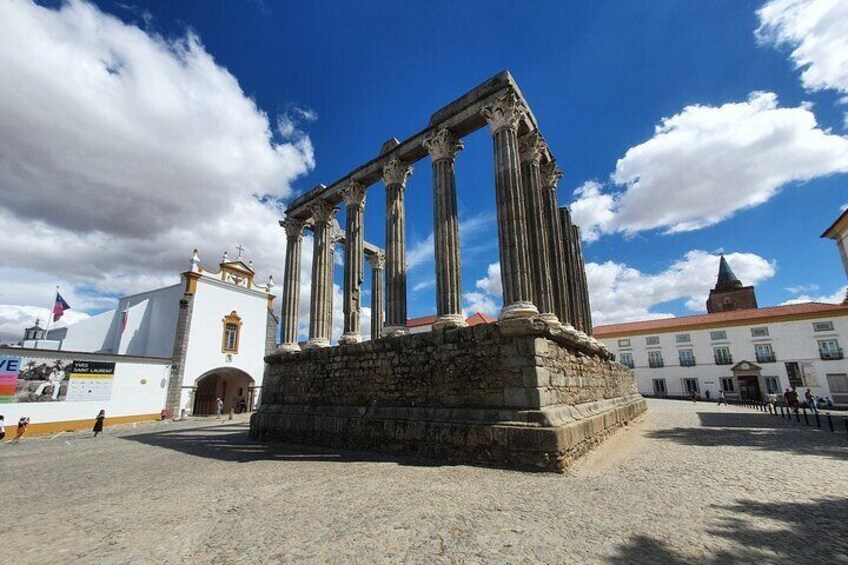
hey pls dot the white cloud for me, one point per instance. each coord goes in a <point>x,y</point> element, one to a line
<point>836,298</point>
<point>121,150</point>
<point>619,293</point>
<point>707,163</point>
<point>13,319</point>
<point>817,33</point>
<point>423,252</point>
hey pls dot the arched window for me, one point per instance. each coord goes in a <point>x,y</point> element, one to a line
<point>232,329</point>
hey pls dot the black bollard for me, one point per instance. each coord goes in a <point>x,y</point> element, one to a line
<point>781,412</point>
<point>830,422</point>
<point>818,420</point>
<point>797,416</point>
<point>806,419</point>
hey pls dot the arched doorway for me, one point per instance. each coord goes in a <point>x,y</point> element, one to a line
<point>230,385</point>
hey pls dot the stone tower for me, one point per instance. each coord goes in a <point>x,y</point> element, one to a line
<point>729,294</point>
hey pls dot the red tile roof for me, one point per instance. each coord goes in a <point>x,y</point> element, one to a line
<point>473,320</point>
<point>730,318</point>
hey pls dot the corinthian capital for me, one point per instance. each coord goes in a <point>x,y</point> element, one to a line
<point>531,147</point>
<point>443,144</point>
<point>354,193</point>
<point>294,228</point>
<point>551,174</point>
<point>322,211</point>
<point>395,172</point>
<point>506,111</point>
<point>377,260</point>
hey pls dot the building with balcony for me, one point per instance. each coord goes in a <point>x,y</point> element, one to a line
<point>747,352</point>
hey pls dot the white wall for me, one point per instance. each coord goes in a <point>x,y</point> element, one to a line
<point>791,341</point>
<point>129,396</point>
<point>213,300</point>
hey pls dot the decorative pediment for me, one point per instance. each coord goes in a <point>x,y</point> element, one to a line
<point>745,366</point>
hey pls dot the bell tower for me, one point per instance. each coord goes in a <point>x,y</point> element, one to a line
<point>729,293</point>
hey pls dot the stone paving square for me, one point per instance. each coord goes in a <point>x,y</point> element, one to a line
<point>685,483</point>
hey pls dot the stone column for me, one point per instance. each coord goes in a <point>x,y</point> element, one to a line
<point>443,147</point>
<point>395,173</point>
<point>584,284</point>
<point>531,148</point>
<point>290,301</point>
<point>503,117</point>
<point>551,174</point>
<point>378,263</point>
<point>354,197</point>
<point>322,268</point>
<point>572,282</point>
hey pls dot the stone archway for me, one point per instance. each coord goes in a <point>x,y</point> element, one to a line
<point>230,385</point>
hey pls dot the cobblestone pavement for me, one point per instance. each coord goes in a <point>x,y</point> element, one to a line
<point>688,482</point>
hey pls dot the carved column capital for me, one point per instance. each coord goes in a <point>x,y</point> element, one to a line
<point>443,144</point>
<point>551,174</point>
<point>506,111</point>
<point>322,211</point>
<point>354,193</point>
<point>395,172</point>
<point>531,147</point>
<point>377,260</point>
<point>294,228</point>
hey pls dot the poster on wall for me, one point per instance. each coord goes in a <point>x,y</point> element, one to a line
<point>28,379</point>
<point>91,380</point>
<point>808,371</point>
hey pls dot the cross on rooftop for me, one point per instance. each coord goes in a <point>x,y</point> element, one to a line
<point>240,250</point>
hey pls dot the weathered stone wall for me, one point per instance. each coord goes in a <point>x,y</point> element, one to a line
<point>470,394</point>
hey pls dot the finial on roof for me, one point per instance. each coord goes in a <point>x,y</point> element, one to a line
<point>270,284</point>
<point>225,258</point>
<point>250,264</point>
<point>195,262</point>
<point>726,279</point>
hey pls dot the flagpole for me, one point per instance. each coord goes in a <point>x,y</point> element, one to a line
<point>49,317</point>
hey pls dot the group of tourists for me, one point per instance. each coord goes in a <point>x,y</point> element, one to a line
<point>791,398</point>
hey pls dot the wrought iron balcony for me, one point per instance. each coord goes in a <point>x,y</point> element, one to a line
<point>724,360</point>
<point>655,363</point>
<point>766,357</point>
<point>690,362</point>
<point>831,355</point>
<point>628,363</point>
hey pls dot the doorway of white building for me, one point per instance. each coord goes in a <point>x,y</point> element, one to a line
<point>232,386</point>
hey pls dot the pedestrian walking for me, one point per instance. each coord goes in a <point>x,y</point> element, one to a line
<point>692,396</point>
<point>219,408</point>
<point>707,394</point>
<point>2,427</point>
<point>793,400</point>
<point>242,406</point>
<point>23,424</point>
<point>721,398</point>
<point>98,423</point>
<point>811,401</point>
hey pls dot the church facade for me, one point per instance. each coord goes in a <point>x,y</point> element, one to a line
<point>204,338</point>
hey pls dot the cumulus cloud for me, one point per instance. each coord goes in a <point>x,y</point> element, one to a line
<point>817,33</point>
<point>121,150</point>
<point>836,298</point>
<point>707,163</point>
<point>14,318</point>
<point>620,293</point>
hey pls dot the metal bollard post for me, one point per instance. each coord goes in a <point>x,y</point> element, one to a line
<point>818,420</point>
<point>797,416</point>
<point>806,419</point>
<point>830,422</point>
<point>781,412</point>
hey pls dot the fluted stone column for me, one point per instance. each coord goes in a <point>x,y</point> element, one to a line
<point>322,268</point>
<point>573,277</point>
<point>584,284</point>
<point>531,148</point>
<point>503,117</point>
<point>354,197</point>
<point>395,173</point>
<point>443,147</point>
<point>378,263</point>
<point>291,286</point>
<point>551,174</point>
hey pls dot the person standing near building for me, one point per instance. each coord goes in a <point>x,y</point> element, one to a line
<point>793,400</point>
<point>2,427</point>
<point>98,423</point>
<point>23,424</point>
<point>721,398</point>
<point>811,401</point>
<point>219,407</point>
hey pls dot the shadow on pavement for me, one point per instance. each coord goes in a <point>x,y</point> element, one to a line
<point>758,431</point>
<point>231,442</point>
<point>797,532</point>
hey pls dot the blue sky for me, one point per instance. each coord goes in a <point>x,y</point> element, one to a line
<point>599,76</point>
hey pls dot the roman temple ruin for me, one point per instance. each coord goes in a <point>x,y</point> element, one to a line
<point>532,390</point>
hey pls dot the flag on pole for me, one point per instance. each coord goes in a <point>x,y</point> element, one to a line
<point>59,307</point>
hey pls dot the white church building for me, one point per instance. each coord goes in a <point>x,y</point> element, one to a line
<point>208,335</point>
